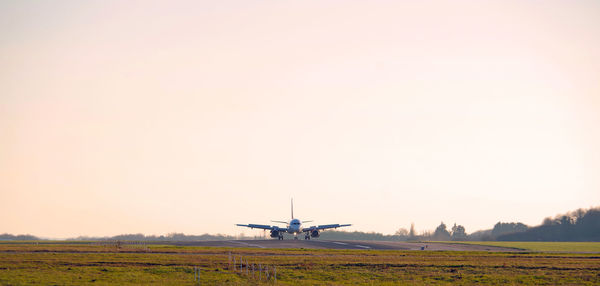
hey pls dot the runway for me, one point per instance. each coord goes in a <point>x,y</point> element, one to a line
<point>347,244</point>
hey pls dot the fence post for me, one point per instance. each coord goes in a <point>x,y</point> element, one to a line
<point>275,273</point>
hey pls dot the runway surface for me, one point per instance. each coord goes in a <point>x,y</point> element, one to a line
<point>347,244</point>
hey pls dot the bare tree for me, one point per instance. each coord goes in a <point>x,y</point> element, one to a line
<point>402,232</point>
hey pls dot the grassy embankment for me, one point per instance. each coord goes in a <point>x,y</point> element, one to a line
<point>542,246</point>
<point>61,264</point>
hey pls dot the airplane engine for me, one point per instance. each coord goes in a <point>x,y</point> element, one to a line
<point>314,233</point>
<point>274,233</point>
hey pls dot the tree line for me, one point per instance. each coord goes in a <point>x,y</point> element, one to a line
<point>578,225</point>
<point>6,236</point>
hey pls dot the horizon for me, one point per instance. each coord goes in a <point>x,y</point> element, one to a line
<point>258,234</point>
<point>182,117</point>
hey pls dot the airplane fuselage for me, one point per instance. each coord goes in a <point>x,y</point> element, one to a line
<point>294,226</point>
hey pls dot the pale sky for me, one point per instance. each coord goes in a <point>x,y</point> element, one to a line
<point>190,116</point>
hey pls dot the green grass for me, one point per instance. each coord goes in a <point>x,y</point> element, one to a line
<point>68,264</point>
<point>542,246</point>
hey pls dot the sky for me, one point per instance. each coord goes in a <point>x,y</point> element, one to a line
<point>191,116</point>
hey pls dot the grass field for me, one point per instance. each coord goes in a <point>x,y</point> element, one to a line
<point>64,264</point>
<point>544,246</point>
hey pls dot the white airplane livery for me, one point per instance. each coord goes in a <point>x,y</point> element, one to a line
<point>294,226</point>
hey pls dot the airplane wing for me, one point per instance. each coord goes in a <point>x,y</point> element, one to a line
<point>324,226</point>
<point>264,226</point>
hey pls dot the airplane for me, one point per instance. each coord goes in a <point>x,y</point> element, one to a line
<point>294,226</point>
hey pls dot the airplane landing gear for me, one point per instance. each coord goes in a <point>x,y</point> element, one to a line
<point>307,237</point>
<point>295,238</point>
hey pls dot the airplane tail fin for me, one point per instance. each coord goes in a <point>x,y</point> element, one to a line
<point>292,208</point>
